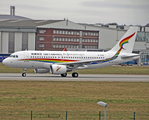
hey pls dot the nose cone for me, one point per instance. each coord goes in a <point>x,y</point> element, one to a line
<point>6,62</point>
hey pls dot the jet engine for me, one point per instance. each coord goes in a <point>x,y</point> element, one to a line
<point>41,70</point>
<point>58,69</point>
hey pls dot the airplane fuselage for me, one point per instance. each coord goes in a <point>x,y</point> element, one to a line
<point>38,59</point>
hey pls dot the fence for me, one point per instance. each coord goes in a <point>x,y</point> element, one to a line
<point>72,115</point>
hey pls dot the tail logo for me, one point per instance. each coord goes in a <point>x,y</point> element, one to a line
<point>125,40</point>
<point>121,44</point>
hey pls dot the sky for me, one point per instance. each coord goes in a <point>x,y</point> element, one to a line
<point>128,12</point>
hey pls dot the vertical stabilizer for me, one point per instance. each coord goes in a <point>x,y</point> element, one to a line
<point>126,43</point>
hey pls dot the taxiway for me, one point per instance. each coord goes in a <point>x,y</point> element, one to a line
<point>82,77</point>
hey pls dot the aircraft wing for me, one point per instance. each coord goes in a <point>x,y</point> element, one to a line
<point>82,62</point>
<point>76,63</point>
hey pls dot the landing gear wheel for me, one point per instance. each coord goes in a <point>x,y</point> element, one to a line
<point>75,74</point>
<point>64,75</point>
<point>23,74</point>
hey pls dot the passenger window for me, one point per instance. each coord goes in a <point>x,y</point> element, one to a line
<point>16,56</point>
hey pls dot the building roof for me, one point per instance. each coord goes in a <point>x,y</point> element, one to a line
<point>21,23</point>
<point>13,17</point>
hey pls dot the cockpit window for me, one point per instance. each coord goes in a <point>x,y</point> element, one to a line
<point>14,56</point>
<point>10,56</point>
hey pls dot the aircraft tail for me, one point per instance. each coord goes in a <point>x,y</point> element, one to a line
<point>126,43</point>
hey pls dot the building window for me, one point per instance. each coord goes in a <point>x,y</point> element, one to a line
<point>142,36</point>
<point>65,46</point>
<point>41,45</point>
<point>54,31</point>
<point>62,46</point>
<point>147,36</point>
<point>71,39</point>
<point>75,33</point>
<point>71,32</point>
<point>65,39</point>
<point>53,46</point>
<point>54,39</point>
<point>42,31</point>
<point>41,38</point>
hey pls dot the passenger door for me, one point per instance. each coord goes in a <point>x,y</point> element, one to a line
<point>26,57</point>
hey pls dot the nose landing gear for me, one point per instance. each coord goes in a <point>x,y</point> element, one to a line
<point>24,72</point>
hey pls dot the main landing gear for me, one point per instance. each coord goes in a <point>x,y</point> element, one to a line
<point>75,74</point>
<point>24,73</point>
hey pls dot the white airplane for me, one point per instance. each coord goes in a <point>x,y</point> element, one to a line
<point>61,62</point>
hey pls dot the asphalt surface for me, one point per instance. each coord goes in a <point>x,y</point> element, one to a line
<point>82,77</point>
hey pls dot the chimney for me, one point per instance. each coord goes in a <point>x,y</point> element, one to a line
<point>12,10</point>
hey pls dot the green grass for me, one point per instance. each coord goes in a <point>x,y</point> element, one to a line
<point>106,70</point>
<point>73,96</point>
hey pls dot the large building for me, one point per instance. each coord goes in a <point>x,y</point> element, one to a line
<point>50,38</point>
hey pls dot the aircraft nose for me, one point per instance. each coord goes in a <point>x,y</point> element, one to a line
<point>5,62</point>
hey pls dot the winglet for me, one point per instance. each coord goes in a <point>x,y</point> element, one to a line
<point>65,49</point>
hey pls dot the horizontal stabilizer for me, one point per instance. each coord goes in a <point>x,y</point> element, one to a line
<point>130,56</point>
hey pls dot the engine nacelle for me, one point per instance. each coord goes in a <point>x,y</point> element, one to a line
<point>58,69</point>
<point>41,70</point>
